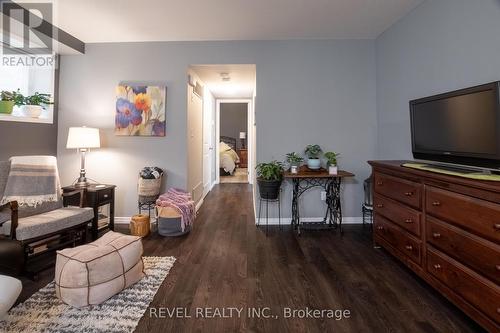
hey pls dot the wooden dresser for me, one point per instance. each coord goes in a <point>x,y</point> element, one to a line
<point>243,155</point>
<point>447,230</point>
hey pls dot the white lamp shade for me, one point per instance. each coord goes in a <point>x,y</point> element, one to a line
<point>243,135</point>
<point>83,137</point>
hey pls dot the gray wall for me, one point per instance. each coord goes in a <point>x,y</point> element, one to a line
<point>307,92</point>
<point>233,120</point>
<point>440,46</point>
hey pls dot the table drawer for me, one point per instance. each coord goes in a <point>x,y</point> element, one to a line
<point>104,195</point>
<point>398,189</point>
<point>472,251</point>
<point>479,292</point>
<point>475,215</point>
<point>400,214</point>
<point>398,238</point>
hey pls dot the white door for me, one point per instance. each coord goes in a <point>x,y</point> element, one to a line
<point>207,143</point>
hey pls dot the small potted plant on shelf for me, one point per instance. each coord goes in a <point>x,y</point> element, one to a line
<point>32,106</point>
<point>8,99</point>
<point>313,152</point>
<point>294,160</point>
<point>331,161</point>
<point>269,178</point>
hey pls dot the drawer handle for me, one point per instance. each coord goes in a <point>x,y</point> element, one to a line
<point>409,247</point>
<point>497,226</point>
<point>497,267</point>
<point>380,182</point>
<point>436,203</point>
<point>436,235</point>
<point>380,205</point>
<point>408,221</point>
<point>106,195</point>
<point>408,194</point>
<point>380,228</point>
<point>437,266</point>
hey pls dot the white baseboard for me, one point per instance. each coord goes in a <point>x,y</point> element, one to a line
<point>198,205</point>
<point>288,220</point>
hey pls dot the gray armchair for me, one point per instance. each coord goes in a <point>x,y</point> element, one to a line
<point>44,228</point>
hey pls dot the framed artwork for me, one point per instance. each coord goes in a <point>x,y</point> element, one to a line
<point>140,111</point>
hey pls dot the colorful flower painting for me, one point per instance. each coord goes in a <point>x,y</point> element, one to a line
<point>140,111</point>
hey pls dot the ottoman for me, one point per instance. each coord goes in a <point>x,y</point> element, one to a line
<point>92,273</point>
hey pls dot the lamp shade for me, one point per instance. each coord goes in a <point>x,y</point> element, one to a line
<point>83,137</point>
<point>243,135</point>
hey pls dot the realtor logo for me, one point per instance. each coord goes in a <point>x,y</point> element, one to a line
<point>27,28</point>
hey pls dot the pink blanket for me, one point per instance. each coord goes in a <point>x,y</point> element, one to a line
<point>182,202</point>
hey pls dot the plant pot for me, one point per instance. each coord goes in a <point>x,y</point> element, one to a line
<point>314,163</point>
<point>332,170</point>
<point>32,111</point>
<point>294,169</point>
<point>6,107</point>
<point>269,189</point>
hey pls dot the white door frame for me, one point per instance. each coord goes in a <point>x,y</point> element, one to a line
<point>250,139</point>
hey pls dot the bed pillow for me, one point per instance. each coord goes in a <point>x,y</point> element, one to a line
<point>224,147</point>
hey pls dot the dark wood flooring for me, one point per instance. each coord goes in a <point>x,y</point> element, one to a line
<point>227,262</point>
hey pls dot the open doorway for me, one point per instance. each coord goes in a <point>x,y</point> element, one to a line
<point>233,116</point>
<point>214,91</point>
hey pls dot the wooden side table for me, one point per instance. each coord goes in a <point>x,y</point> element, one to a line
<point>95,196</point>
<point>243,155</point>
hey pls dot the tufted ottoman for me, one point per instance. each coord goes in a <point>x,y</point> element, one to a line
<point>92,273</point>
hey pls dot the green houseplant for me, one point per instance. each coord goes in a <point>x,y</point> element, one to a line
<point>269,178</point>
<point>33,104</point>
<point>331,161</point>
<point>294,160</point>
<point>313,153</point>
<point>8,99</point>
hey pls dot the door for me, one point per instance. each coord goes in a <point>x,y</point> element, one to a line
<point>207,143</point>
<point>195,145</point>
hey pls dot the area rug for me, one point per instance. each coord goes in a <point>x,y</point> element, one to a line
<point>44,312</point>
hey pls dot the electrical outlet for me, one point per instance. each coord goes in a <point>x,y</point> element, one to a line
<point>323,195</point>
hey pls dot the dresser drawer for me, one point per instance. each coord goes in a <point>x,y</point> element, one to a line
<point>104,195</point>
<point>482,294</point>
<point>472,251</point>
<point>398,213</point>
<point>398,189</point>
<point>477,216</point>
<point>398,238</point>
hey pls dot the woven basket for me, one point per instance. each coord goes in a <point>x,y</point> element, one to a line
<point>149,187</point>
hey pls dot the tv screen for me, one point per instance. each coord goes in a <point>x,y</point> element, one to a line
<point>459,127</point>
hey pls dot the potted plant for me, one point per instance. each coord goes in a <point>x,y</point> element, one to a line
<point>33,104</point>
<point>8,99</point>
<point>294,160</point>
<point>331,161</point>
<point>269,178</point>
<point>313,152</point>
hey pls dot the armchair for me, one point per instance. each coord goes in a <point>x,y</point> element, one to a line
<point>42,229</point>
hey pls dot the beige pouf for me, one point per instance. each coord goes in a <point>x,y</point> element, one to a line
<point>92,273</point>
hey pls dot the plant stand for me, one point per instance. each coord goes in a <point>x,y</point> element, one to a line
<point>267,201</point>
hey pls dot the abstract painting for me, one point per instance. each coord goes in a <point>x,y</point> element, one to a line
<point>140,111</point>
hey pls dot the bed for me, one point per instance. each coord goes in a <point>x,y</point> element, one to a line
<point>228,157</point>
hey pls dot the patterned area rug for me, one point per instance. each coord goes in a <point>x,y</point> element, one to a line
<point>240,175</point>
<point>44,312</point>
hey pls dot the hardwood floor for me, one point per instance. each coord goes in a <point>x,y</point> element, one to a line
<point>227,262</point>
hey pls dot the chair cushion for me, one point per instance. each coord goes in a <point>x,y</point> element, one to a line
<point>10,288</point>
<point>92,273</point>
<point>49,222</point>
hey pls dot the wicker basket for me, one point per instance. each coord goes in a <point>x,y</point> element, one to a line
<point>149,187</point>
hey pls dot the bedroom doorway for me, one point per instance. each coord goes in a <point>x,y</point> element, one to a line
<point>234,125</point>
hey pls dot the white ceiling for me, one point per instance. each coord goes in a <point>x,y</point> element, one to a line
<point>241,85</point>
<point>187,20</point>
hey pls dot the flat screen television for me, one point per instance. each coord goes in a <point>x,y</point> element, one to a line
<point>460,127</point>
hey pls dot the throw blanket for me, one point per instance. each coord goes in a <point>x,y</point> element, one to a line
<point>32,181</point>
<point>181,201</point>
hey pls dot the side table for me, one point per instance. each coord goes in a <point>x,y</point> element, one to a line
<point>95,196</point>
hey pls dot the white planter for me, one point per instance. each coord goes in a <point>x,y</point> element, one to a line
<point>333,169</point>
<point>294,169</point>
<point>33,111</point>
